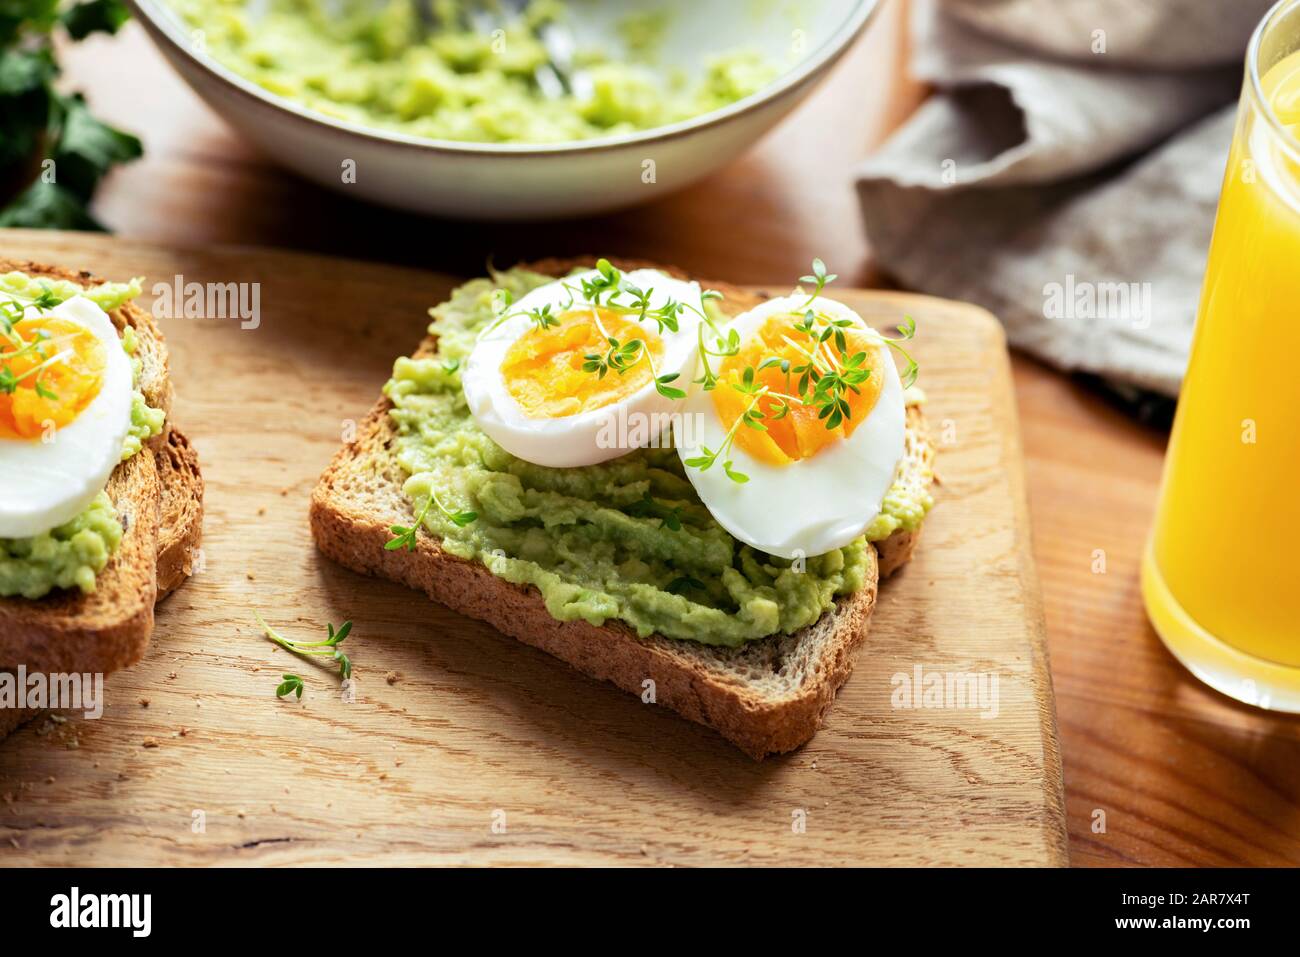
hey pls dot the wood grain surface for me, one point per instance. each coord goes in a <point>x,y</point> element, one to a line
<point>454,723</point>
<point>1158,769</point>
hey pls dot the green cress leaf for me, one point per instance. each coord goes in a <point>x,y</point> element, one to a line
<point>740,478</point>
<point>309,649</point>
<point>292,684</point>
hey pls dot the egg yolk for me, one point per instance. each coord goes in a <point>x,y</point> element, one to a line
<point>801,433</point>
<point>543,368</point>
<point>50,370</point>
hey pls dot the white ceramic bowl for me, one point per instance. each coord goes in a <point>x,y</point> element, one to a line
<point>523,181</point>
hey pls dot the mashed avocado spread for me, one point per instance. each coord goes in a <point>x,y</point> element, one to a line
<point>69,556</point>
<point>72,555</point>
<point>627,539</point>
<point>377,63</point>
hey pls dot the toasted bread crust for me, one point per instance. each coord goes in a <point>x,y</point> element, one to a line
<point>180,514</point>
<point>359,497</point>
<point>13,718</point>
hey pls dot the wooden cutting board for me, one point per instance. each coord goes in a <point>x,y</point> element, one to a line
<point>464,746</point>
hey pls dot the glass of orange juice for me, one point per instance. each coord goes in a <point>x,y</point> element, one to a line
<point>1221,573</point>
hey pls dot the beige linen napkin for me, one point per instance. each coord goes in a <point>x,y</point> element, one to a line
<point>1065,173</point>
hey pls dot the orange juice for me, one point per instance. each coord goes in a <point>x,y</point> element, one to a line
<point>1221,577</point>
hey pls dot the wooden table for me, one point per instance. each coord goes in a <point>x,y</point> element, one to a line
<point>1158,769</point>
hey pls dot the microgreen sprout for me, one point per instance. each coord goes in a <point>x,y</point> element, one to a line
<point>542,317</point>
<point>622,357</point>
<point>820,279</point>
<point>292,684</point>
<point>14,346</point>
<point>48,299</point>
<point>405,536</point>
<point>308,649</point>
<point>906,331</point>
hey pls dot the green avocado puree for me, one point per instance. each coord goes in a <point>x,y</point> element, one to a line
<point>69,556</point>
<point>377,63</point>
<point>585,537</point>
<point>72,555</point>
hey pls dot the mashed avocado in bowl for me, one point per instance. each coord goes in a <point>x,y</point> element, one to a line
<point>442,71</point>
<point>426,106</point>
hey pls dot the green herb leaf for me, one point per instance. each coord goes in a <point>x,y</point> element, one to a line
<point>83,19</point>
<point>86,148</point>
<point>740,478</point>
<point>292,684</point>
<point>48,206</point>
<point>46,300</point>
<point>39,124</point>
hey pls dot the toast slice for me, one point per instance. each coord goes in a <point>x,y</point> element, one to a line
<point>107,629</point>
<point>769,696</point>
<point>159,494</point>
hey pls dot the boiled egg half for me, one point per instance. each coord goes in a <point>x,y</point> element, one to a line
<point>65,410</point>
<point>534,381</point>
<point>794,486</point>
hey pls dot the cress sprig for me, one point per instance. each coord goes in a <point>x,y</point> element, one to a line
<point>310,650</point>
<point>819,278</point>
<point>405,536</point>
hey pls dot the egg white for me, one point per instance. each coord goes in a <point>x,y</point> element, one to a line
<point>810,506</point>
<point>44,483</point>
<point>575,440</point>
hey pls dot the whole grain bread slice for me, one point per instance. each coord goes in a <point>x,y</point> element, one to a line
<point>107,629</point>
<point>769,696</point>
<point>159,496</point>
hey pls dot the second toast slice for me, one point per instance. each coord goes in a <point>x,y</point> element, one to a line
<point>768,696</point>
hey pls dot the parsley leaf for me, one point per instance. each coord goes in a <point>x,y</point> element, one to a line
<point>38,124</point>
